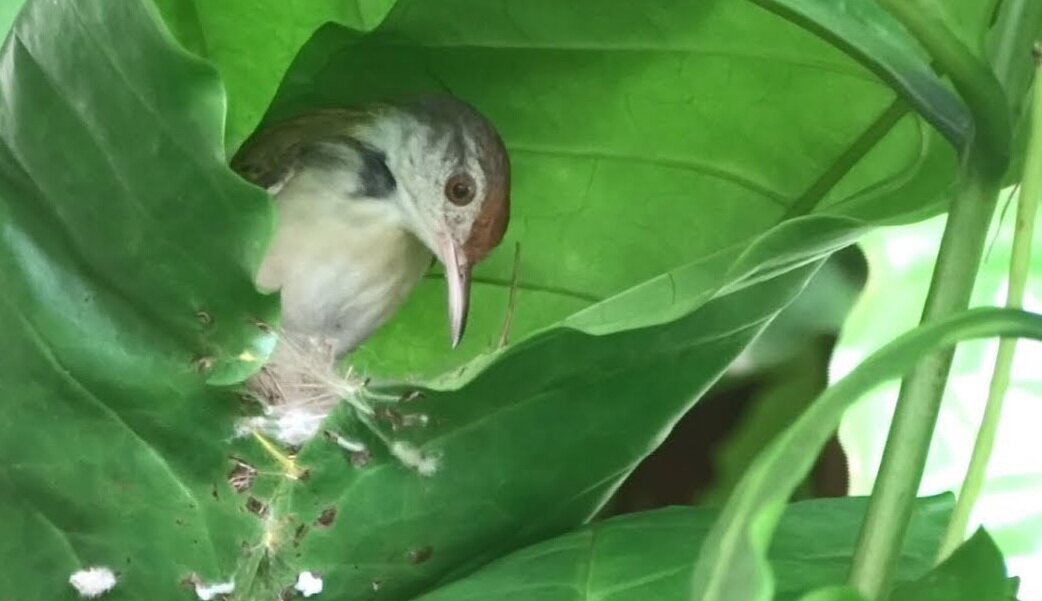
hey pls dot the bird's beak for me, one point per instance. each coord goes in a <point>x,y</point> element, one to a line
<point>457,275</point>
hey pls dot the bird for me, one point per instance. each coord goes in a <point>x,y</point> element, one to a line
<point>366,198</point>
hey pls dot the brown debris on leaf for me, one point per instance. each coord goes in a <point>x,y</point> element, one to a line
<point>299,534</point>
<point>242,475</point>
<point>422,554</point>
<point>356,449</point>
<point>326,517</point>
<point>256,507</point>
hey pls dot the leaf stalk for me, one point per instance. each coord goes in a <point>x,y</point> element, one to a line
<point>1027,210</point>
<point>958,259</point>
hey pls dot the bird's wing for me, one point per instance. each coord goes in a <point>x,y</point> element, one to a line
<point>270,156</point>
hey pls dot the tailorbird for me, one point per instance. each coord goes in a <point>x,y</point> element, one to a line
<point>364,196</point>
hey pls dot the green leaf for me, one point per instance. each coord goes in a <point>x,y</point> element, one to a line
<point>868,32</point>
<point>648,555</point>
<point>1009,45</point>
<point>732,565</point>
<point>8,10</point>
<point>655,122</point>
<point>900,261</point>
<point>251,42</point>
<point>126,257</point>
<point>833,593</point>
<point>974,572</point>
<point>499,486</point>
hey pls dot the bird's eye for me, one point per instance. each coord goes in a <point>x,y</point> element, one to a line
<point>460,189</point>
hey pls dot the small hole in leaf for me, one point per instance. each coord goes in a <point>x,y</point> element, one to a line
<point>391,416</point>
<point>361,459</point>
<point>242,475</point>
<point>412,395</point>
<point>256,507</point>
<point>422,554</point>
<point>299,535</point>
<point>327,517</point>
<point>205,363</point>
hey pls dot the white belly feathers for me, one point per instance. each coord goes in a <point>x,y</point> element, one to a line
<point>342,265</point>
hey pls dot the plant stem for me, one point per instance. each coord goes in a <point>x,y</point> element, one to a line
<point>1027,209</point>
<point>918,403</point>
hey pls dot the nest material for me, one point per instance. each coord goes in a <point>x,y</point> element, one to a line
<point>299,386</point>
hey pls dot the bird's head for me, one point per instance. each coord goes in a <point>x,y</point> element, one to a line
<point>451,177</point>
<point>433,164</point>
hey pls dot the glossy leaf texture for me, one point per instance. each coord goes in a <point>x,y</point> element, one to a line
<point>8,11</point>
<point>732,565</point>
<point>975,572</point>
<point>251,42</point>
<point>882,44</point>
<point>643,136</point>
<point>648,555</point>
<point>529,448</point>
<point>126,254</point>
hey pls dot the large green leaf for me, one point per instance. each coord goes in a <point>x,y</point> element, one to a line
<point>8,10</point>
<point>644,137</point>
<point>648,555</point>
<point>126,254</point>
<point>882,44</point>
<point>251,42</point>
<point>528,448</point>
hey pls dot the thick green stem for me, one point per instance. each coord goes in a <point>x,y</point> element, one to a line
<point>908,442</point>
<point>1027,209</point>
<point>958,259</point>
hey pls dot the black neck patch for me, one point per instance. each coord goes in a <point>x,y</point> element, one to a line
<point>375,179</point>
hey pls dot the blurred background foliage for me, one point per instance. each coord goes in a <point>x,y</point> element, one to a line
<point>860,300</point>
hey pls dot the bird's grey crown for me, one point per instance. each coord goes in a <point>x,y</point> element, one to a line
<point>451,118</point>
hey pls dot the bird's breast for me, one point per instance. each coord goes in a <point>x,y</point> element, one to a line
<point>341,272</point>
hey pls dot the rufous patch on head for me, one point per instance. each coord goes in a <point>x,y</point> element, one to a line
<point>491,222</point>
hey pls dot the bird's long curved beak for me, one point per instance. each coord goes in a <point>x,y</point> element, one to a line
<point>457,275</point>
